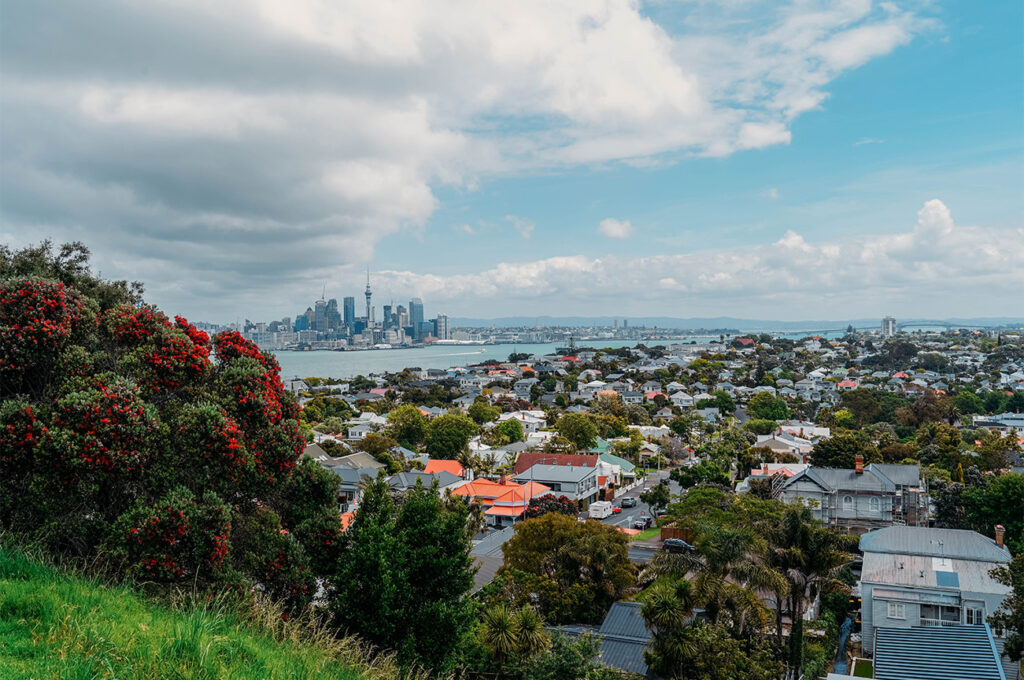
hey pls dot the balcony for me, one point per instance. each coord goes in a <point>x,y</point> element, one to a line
<point>939,622</point>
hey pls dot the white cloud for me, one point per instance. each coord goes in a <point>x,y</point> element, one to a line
<point>920,267</point>
<point>524,226</point>
<point>464,228</point>
<point>613,228</point>
<point>327,126</point>
<point>868,140</point>
<point>772,193</point>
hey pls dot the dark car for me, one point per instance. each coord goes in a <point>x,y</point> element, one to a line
<point>629,502</point>
<point>643,523</point>
<point>676,545</point>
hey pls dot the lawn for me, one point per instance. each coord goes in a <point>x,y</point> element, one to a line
<point>55,625</point>
<point>864,669</point>
<point>646,534</point>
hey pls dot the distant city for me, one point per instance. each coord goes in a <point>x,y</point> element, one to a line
<point>326,325</point>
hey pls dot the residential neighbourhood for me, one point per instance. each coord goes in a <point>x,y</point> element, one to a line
<point>874,439</point>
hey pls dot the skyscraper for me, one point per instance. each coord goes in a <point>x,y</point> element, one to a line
<point>386,317</point>
<point>333,315</point>
<point>401,316</point>
<point>888,327</point>
<point>350,312</point>
<point>320,316</point>
<point>441,330</point>
<point>416,316</point>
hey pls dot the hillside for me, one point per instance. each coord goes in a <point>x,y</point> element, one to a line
<point>56,625</point>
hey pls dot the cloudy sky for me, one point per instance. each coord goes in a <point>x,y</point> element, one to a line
<point>831,159</point>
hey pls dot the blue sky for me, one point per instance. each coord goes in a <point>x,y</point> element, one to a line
<point>753,159</point>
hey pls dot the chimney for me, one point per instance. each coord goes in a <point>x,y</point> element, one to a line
<point>1000,531</point>
<point>859,463</point>
<point>502,480</point>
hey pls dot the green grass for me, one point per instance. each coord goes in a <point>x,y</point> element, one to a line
<point>864,669</point>
<point>646,534</point>
<point>54,624</point>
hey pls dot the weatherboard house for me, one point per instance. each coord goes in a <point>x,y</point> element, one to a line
<point>929,577</point>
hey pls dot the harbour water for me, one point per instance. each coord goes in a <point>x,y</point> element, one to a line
<point>326,364</point>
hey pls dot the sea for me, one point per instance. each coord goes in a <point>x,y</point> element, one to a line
<point>348,364</point>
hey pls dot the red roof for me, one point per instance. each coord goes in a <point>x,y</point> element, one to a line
<point>527,459</point>
<point>452,466</point>
<point>506,510</point>
<point>746,342</point>
<point>346,520</point>
<point>570,359</point>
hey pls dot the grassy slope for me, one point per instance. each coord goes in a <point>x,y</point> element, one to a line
<point>53,625</point>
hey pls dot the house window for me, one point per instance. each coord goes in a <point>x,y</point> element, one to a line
<point>897,610</point>
<point>847,502</point>
<point>874,503</point>
<point>975,616</point>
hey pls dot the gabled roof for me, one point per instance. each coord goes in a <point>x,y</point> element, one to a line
<point>556,473</point>
<point>438,465</point>
<point>934,542</point>
<point>937,653</point>
<point>528,459</point>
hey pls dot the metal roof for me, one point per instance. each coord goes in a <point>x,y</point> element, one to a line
<point>934,542</point>
<point>937,653</point>
<point>624,638</point>
<point>555,473</point>
<point>919,571</point>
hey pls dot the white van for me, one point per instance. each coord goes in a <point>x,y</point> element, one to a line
<point>600,509</point>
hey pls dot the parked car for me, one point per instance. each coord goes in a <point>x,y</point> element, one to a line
<point>676,545</point>
<point>629,502</point>
<point>616,509</point>
<point>643,523</point>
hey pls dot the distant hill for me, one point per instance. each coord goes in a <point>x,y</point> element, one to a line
<point>53,624</point>
<point>745,325</point>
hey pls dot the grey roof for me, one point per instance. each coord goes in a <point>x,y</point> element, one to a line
<point>900,475</point>
<point>556,473</point>
<point>357,461</point>
<point>937,653</point>
<point>352,476</point>
<point>934,542</point>
<point>625,619</point>
<point>874,478</point>
<point>407,480</point>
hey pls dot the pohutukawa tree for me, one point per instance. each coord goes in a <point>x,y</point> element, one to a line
<point>139,440</point>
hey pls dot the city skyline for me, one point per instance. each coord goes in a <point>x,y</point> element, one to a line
<point>750,159</point>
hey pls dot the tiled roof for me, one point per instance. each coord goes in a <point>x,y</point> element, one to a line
<point>438,465</point>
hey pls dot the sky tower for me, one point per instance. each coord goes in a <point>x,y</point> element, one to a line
<point>369,294</point>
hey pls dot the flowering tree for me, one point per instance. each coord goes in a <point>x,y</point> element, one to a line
<point>139,440</point>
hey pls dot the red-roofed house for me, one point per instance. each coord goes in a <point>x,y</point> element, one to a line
<point>505,500</point>
<point>438,465</point>
<point>848,385</point>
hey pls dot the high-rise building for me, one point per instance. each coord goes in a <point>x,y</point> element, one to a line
<point>320,316</point>
<point>416,316</point>
<point>888,327</point>
<point>386,317</point>
<point>401,316</point>
<point>349,304</point>
<point>441,329</point>
<point>333,315</point>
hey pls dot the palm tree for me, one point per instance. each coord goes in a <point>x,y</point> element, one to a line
<point>497,634</point>
<point>531,636</point>
<point>728,572</point>
<point>810,556</point>
<point>506,634</point>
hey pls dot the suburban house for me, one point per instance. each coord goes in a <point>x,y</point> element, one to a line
<point>921,576</point>
<point>861,499</point>
<point>350,489</point>
<point>446,481</point>
<point>505,501</point>
<point>576,482</point>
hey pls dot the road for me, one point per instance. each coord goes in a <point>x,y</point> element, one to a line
<point>640,553</point>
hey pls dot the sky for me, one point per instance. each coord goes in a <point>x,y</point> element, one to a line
<point>769,160</point>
